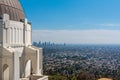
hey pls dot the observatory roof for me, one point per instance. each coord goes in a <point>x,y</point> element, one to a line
<point>13,8</point>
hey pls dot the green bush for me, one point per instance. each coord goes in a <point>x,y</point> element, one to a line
<point>57,77</point>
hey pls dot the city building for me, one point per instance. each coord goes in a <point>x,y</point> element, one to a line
<point>19,60</point>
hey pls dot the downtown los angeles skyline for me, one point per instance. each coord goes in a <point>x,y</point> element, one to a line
<point>75,21</point>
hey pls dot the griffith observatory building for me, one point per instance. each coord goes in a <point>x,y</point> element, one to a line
<point>19,60</point>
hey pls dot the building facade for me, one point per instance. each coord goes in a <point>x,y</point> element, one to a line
<point>19,60</point>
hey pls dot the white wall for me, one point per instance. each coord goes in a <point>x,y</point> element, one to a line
<point>1,33</point>
<point>16,34</point>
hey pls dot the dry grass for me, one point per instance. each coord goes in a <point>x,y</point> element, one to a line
<point>104,79</point>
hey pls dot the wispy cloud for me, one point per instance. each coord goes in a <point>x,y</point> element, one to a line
<point>78,36</point>
<point>111,25</point>
<point>103,24</point>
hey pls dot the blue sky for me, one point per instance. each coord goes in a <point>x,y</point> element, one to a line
<point>74,21</point>
<point>73,14</point>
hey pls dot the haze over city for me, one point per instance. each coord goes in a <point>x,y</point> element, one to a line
<point>75,21</point>
<point>59,23</point>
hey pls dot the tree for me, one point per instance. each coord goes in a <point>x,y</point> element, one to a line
<point>74,78</point>
<point>85,76</point>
